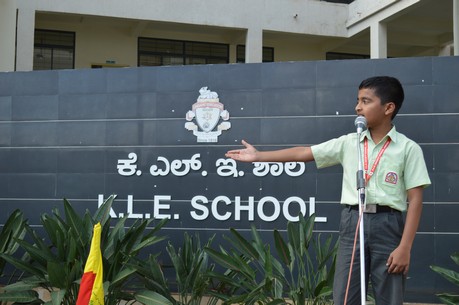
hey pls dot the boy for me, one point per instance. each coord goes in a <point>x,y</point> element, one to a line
<point>394,170</point>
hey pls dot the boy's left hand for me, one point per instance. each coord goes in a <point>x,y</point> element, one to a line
<point>399,261</point>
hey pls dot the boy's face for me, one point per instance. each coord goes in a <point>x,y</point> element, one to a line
<point>369,105</point>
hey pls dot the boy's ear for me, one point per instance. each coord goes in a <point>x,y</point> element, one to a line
<point>390,108</point>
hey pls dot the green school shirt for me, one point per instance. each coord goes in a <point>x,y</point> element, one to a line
<point>400,168</point>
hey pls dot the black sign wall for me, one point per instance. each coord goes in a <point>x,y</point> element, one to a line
<point>156,138</point>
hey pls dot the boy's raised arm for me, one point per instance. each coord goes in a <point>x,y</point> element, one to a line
<point>251,154</point>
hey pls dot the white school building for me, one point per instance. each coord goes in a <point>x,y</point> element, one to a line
<point>63,34</point>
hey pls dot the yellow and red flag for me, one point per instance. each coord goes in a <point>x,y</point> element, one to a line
<point>91,286</point>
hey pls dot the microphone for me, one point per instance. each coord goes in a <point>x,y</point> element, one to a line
<point>361,123</point>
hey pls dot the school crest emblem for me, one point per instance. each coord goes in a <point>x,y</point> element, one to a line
<point>208,111</point>
<point>391,177</point>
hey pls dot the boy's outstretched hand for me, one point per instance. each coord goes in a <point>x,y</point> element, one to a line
<point>247,154</point>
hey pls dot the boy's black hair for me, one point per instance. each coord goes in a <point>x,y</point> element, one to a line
<point>387,88</point>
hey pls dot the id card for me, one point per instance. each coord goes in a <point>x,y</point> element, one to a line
<point>370,208</point>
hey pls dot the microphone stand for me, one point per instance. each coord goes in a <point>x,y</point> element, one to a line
<point>361,195</point>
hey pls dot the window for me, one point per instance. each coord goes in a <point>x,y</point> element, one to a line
<point>162,52</point>
<point>54,50</point>
<point>268,54</point>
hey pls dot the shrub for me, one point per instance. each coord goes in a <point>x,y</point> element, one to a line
<point>56,263</point>
<point>453,277</point>
<point>302,273</point>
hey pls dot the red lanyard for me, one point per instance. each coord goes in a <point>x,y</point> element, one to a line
<point>378,158</point>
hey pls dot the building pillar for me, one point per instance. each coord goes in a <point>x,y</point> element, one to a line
<point>254,45</point>
<point>378,40</point>
<point>25,39</point>
<point>456,26</point>
<point>7,35</point>
<point>232,53</point>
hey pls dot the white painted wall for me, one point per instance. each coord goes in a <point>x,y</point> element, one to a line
<point>269,14</point>
<point>363,13</point>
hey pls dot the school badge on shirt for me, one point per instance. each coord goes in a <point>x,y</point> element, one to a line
<point>391,177</point>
